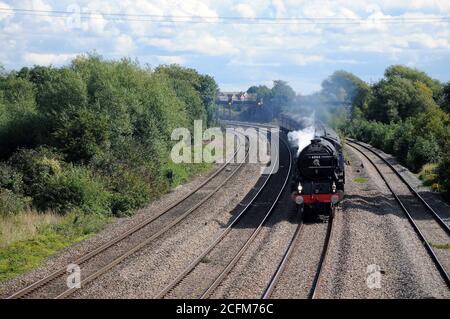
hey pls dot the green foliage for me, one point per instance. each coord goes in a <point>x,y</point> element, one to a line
<point>73,188</point>
<point>282,94</point>
<point>346,88</point>
<point>443,170</point>
<point>17,114</point>
<point>82,133</point>
<point>63,89</point>
<point>402,94</point>
<point>130,191</point>
<point>428,174</point>
<point>10,178</point>
<point>12,203</point>
<point>445,98</point>
<point>95,135</point>
<point>272,101</point>
<point>360,179</point>
<point>87,141</point>
<point>24,255</point>
<point>35,165</point>
<point>197,92</point>
<point>262,92</point>
<point>414,75</point>
<point>402,117</point>
<point>424,150</point>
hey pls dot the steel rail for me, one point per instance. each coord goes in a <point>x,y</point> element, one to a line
<point>241,251</point>
<point>416,228</point>
<point>141,245</point>
<point>282,265</point>
<point>315,290</point>
<point>194,263</point>
<point>60,272</point>
<point>435,215</point>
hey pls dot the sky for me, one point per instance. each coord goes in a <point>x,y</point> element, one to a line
<point>239,43</point>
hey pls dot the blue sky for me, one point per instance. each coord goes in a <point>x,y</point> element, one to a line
<point>236,54</point>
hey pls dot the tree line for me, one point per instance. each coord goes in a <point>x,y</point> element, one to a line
<point>94,136</point>
<point>406,114</point>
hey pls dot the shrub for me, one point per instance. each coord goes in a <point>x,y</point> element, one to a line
<point>443,171</point>
<point>36,165</point>
<point>81,134</point>
<point>425,150</point>
<point>10,178</point>
<point>428,174</point>
<point>74,188</point>
<point>129,192</point>
<point>11,203</point>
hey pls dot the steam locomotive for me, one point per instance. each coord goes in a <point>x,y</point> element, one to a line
<point>318,181</point>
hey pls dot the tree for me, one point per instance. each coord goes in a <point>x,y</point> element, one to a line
<point>208,93</point>
<point>414,75</point>
<point>445,98</point>
<point>397,99</point>
<point>18,118</point>
<point>346,88</point>
<point>282,93</point>
<point>263,93</point>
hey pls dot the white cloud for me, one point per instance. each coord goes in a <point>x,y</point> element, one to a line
<point>170,59</point>
<point>302,59</point>
<point>278,8</point>
<point>31,58</point>
<point>245,10</point>
<point>279,46</point>
<point>4,6</point>
<point>200,42</point>
<point>124,45</point>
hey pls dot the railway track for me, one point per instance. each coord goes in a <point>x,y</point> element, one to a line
<point>415,208</point>
<point>103,258</point>
<point>258,206</point>
<point>314,292</point>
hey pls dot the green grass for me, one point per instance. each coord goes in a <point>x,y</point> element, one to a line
<point>43,235</point>
<point>429,177</point>
<point>361,179</point>
<point>24,255</point>
<point>440,246</point>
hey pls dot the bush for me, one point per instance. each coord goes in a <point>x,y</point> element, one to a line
<point>425,150</point>
<point>428,174</point>
<point>443,171</point>
<point>11,203</point>
<point>74,188</point>
<point>36,165</point>
<point>81,134</point>
<point>10,178</point>
<point>129,192</point>
<point>113,117</point>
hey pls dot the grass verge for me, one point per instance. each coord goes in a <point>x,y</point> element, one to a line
<point>50,235</point>
<point>361,179</point>
<point>440,246</point>
<point>29,237</point>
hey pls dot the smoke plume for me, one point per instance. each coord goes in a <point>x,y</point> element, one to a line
<point>302,138</point>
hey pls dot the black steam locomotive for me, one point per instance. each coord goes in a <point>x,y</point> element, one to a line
<point>318,182</point>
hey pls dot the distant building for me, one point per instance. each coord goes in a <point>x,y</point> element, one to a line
<point>239,98</point>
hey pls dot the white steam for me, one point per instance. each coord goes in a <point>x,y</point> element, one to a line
<point>301,138</point>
